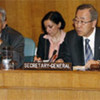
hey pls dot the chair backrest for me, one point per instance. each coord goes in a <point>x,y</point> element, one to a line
<point>29,50</point>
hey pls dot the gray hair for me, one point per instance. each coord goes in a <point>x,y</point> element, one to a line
<point>3,12</point>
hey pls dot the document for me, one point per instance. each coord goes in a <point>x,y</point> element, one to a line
<point>80,68</point>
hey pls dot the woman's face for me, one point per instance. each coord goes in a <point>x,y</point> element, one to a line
<point>51,27</point>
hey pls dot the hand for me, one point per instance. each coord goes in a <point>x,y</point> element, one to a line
<point>59,61</point>
<point>37,59</point>
<point>91,62</point>
<point>1,41</point>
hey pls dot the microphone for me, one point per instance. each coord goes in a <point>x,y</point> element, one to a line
<point>54,52</point>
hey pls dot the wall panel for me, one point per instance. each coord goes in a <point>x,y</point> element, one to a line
<point>25,15</point>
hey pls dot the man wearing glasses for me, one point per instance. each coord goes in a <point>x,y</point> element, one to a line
<point>82,45</point>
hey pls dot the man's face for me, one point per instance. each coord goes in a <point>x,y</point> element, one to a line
<point>83,24</point>
<point>2,24</point>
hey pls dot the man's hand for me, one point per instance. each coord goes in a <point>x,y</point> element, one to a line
<point>91,62</point>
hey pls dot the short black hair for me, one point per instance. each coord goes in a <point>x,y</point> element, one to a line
<point>55,17</point>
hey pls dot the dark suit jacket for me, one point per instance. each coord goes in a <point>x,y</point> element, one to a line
<point>15,40</point>
<point>72,50</point>
<point>43,47</point>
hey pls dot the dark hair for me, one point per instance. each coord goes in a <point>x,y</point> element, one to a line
<point>92,10</point>
<point>55,17</point>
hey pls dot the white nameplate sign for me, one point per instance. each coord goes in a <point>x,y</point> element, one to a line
<point>42,65</point>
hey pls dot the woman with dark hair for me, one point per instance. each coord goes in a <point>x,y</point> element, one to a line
<point>52,25</point>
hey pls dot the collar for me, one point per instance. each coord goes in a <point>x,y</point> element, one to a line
<point>61,39</point>
<point>91,37</point>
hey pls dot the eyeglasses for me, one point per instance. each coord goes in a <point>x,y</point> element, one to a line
<point>81,22</point>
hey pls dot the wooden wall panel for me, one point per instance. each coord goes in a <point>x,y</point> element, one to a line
<point>25,15</point>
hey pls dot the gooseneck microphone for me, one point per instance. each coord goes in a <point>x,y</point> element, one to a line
<point>54,52</point>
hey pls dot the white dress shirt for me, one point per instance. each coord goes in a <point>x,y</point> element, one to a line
<point>92,41</point>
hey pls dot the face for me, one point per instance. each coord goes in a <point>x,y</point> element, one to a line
<point>2,25</point>
<point>51,28</point>
<point>83,24</point>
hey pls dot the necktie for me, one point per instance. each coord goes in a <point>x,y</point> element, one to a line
<point>88,51</point>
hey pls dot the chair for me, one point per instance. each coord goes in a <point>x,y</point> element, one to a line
<point>29,50</point>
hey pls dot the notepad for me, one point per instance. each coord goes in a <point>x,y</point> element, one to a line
<point>80,68</point>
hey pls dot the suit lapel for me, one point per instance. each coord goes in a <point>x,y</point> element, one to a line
<point>47,45</point>
<point>97,45</point>
<point>79,50</point>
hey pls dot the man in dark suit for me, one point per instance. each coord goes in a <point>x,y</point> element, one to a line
<point>74,46</point>
<point>11,38</point>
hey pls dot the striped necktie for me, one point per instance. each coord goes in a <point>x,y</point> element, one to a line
<point>88,51</point>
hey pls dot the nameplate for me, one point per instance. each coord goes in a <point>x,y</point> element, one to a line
<point>47,66</point>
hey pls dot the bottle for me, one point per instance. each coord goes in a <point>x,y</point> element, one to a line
<point>7,58</point>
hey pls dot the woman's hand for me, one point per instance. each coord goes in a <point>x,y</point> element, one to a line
<point>59,61</point>
<point>1,41</point>
<point>37,59</point>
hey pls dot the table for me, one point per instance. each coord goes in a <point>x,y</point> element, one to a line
<point>49,85</point>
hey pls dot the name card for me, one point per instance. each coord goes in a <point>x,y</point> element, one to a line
<point>48,66</point>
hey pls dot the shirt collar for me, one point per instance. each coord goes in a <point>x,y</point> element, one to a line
<point>91,36</point>
<point>61,39</point>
